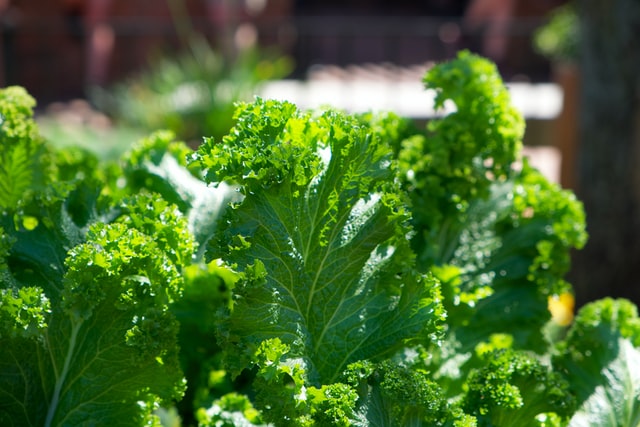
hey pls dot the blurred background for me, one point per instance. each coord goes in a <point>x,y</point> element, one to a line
<point>58,47</point>
<point>137,61</point>
<point>105,72</point>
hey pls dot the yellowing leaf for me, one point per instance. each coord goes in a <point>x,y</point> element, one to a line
<point>561,308</point>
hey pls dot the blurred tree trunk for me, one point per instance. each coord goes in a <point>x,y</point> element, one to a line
<point>609,157</point>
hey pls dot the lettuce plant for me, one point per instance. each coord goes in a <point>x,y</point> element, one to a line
<point>310,268</point>
<point>86,330</point>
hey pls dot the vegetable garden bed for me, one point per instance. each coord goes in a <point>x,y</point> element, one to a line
<point>312,268</point>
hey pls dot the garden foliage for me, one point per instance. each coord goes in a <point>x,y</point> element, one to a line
<point>310,268</point>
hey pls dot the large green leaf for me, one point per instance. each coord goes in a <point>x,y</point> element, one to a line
<point>462,154</point>
<point>321,239</point>
<point>94,342</point>
<point>512,254</point>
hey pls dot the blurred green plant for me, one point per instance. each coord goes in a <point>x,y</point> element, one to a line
<point>77,124</point>
<point>193,93</point>
<point>559,39</point>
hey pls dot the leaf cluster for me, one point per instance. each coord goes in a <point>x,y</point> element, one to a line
<point>310,268</point>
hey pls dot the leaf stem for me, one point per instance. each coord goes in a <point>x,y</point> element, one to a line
<point>53,406</point>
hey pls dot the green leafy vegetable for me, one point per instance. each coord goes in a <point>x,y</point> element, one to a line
<point>24,164</point>
<point>515,389</point>
<point>463,154</point>
<point>158,164</point>
<point>601,358</point>
<point>85,327</point>
<point>99,336</point>
<point>307,269</point>
<point>494,231</point>
<point>320,239</point>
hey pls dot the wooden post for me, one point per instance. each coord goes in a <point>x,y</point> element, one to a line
<point>608,168</point>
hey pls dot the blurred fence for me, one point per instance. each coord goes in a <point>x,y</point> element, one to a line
<point>49,55</point>
<point>408,41</point>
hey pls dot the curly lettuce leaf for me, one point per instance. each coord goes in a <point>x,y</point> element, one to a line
<point>381,394</point>
<point>601,360</point>
<point>94,340</point>
<point>158,163</point>
<point>511,257</point>
<point>365,394</point>
<point>230,410</point>
<point>498,234</point>
<point>493,230</point>
<point>24,158</point>
<point>320,240</point>
<point>399,396</point>
<point>85,287</point>
<point>515,389</point>
<point>507,263</point>
<point>463,153</point>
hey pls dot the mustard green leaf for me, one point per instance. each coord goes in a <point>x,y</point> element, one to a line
<point>515,389</point>
<point>601,359</point>
<point>24,159</point>
<point>158,163</point>
<point>95,340</point>
<point>103,350</point>
<point>321,241</point>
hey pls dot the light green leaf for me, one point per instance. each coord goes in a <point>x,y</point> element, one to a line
<point>514,389</point>
<point>615,400</point>
<point>462,154</point>
<point>157,163</point>
<point>602,360</point>
<point>95,343</point>
<point>321,240</point>
<point>24,162</point>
